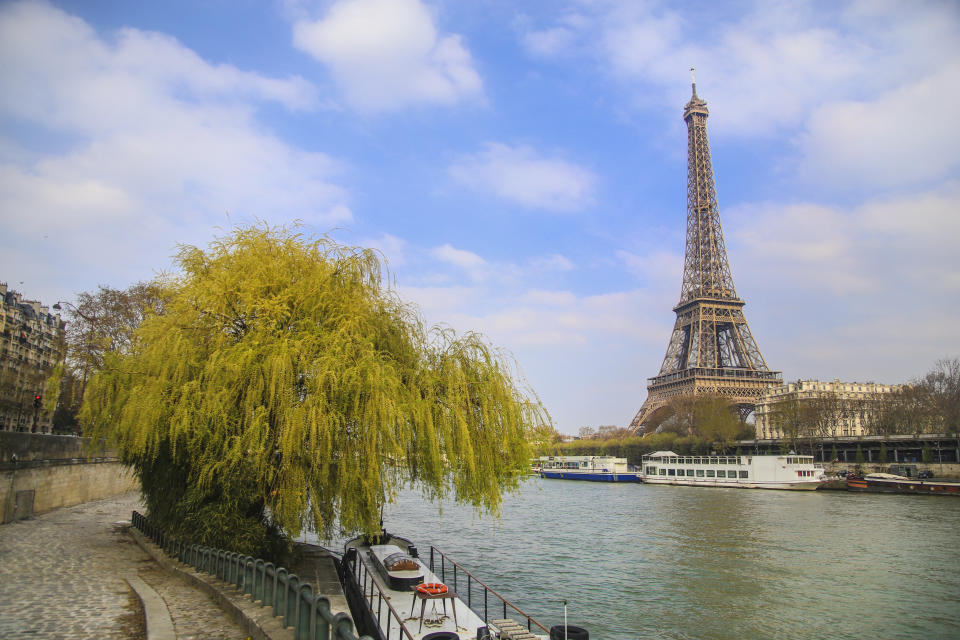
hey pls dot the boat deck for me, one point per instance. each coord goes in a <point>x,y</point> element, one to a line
<point>407,606</point>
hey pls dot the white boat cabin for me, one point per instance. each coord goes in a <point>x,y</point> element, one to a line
<point>789,471</point>
<point>591,464</point>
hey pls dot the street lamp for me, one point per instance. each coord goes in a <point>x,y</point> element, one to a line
<point>57,307</point>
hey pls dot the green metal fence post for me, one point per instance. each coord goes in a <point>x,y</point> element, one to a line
<point>289,599</point>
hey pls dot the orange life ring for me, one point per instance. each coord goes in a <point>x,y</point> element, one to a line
<point>432,588</point>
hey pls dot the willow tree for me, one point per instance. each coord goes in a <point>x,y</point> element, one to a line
<point>283,385</point>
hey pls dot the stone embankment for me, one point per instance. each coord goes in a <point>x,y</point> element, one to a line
<point>39,473</point>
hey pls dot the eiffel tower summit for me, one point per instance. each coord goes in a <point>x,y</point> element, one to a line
<point>711,350</point>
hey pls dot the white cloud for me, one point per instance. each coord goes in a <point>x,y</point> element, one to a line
<point>522,175</point>
<point>156,145</point>
<point>548,42</point>
<point>465,260</point>
<point>765,69</point>
<point>654,268</point>
<point>901,138</point>
<point>905,242</point>
<point>387,54</point>
<point>872,286</point>
<point>570,346</point>
<point>555,262</point>
<point>394,249</point>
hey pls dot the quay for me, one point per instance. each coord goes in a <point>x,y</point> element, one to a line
<point>74,572</point>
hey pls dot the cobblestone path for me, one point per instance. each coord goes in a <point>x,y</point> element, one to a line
<point>62,576</point>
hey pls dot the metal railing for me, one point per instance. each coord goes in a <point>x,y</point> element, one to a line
<point>388,619</point>
<point>308,614</point>
<point>470,579</point>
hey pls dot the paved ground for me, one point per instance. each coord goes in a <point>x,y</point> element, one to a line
<point>62,576</point>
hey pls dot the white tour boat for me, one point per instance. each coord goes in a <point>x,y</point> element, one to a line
<point>790,471</point>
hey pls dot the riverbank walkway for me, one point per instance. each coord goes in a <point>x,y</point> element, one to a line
<point>68,574</point>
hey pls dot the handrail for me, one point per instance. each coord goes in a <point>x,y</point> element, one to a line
<point>370,581</point>
<point>309,615</point>
<point>444,559</point>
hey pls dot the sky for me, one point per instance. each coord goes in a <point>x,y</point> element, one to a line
<point>521,166</point>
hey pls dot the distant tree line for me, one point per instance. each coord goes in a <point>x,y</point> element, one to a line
<point>698,425</point>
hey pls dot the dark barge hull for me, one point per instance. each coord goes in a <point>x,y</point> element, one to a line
<point>362,617</point>
<point>924,487</point>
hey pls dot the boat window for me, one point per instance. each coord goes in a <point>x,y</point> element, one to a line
<point>699,473</point>
<point>744,474</point>
<point>690,472</point>
<point>651,471</point>
<point>710,473</point>
<point>663,472</point>
<point>721,473</point>
<point>671,472</point>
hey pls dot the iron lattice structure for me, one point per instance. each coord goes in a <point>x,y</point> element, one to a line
<point>711,350</point>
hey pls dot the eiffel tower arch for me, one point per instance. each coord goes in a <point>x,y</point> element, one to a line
<point>711,349</point>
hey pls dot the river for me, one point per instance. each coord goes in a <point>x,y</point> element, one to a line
<point>644,561</point>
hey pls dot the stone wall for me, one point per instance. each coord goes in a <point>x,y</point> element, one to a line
<point>946,471</point>
<point>38,446</point>
<point>43,472</point>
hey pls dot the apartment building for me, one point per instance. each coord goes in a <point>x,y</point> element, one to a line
<point>31,344</point>
<point>838,408</point>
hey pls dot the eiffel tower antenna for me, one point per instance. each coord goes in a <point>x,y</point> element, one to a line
<point>711,349</point>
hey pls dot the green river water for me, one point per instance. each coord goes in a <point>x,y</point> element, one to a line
<point>644,561</point>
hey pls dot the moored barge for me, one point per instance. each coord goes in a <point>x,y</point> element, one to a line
<point>394,594</point>
<point>891,483</point>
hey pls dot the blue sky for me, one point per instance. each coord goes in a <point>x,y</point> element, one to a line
<point>522,166</point>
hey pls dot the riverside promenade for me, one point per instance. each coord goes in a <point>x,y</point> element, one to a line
<point>64,574</point>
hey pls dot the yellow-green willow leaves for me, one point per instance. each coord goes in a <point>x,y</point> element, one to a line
<point>283,377</point>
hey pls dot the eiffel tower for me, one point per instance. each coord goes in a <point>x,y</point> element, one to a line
<point>711,351</point>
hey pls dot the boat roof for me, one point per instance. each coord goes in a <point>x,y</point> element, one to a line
<point>578,458</point>
<point>663,454</point>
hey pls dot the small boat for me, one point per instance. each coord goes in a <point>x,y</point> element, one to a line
<point>594,468</point>
<point>790,471</point>
<point>892,483</point>
<point>394,594</point>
